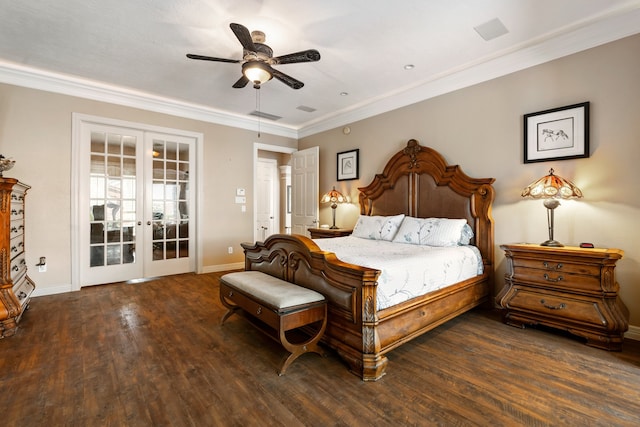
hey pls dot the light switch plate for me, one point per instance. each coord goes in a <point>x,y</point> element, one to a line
<point>240,192</point>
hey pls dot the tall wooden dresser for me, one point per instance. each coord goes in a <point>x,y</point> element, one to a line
<point>15,285</point>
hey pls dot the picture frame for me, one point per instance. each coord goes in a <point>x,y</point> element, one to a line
<point>557,134</point>
<point>348,165</point>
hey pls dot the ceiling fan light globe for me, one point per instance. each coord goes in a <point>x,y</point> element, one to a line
<point>256,73</point>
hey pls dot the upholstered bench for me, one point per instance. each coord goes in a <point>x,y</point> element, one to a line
<point>275,307</point>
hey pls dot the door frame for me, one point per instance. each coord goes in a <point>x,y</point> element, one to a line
<point>258,146</point>
<point>76,139</point>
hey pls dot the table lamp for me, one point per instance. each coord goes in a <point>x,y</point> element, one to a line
<point>334,197</point>
<point>551,188</point>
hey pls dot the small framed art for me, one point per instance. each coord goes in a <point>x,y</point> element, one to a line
<point>557,134</point>
<point>348,165</point>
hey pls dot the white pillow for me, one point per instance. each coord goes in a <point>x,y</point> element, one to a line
<point>377,227</point>
<point>434,231</point>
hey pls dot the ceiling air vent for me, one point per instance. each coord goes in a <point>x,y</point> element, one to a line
<point>491,30</point>
<point>263,115</point>
<point>305,108</point>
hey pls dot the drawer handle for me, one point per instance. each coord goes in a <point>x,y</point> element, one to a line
<point>549,279</point>
<point>549,267</point>
<point>15,268</point>
<point>259,311</point>
<point>230,294</point>
<point>553,307</point>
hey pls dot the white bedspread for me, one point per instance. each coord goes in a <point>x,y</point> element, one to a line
<point>407,271</point>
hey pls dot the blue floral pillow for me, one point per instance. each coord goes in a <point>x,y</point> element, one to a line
<point>434,232</point>
<point>377,227</point>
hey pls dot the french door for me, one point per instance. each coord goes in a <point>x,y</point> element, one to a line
<point>135,203</point>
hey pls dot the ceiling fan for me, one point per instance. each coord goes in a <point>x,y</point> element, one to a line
<point>257,59</point>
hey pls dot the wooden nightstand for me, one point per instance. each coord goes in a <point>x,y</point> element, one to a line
<point>568,288</point>
<point>326,233</point>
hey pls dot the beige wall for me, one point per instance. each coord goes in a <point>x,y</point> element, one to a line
<point>35,130</point>
<point>480,128</point>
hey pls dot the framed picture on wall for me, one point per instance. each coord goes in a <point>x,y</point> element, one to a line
<point>557,134</point>
<point>348,165</point>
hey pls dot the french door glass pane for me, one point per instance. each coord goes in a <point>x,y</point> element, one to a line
<point>170,200</point>
<point>112,195</point>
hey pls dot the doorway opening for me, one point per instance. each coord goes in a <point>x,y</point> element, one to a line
<point>272,189</point>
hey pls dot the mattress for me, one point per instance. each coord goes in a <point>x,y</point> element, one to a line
<point>407,270</point>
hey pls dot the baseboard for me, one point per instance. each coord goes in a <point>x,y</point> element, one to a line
<point>633,333</point>
<point>223,267</point>
<point>61,289</point>
<point>51,290</point>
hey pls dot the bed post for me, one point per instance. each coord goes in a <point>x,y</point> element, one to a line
<point>374,364</point>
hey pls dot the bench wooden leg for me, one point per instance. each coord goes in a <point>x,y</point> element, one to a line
<point>298,349</point>
<point>231,308</point>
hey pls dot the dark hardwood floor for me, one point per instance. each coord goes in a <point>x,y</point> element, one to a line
<point>153,354</point>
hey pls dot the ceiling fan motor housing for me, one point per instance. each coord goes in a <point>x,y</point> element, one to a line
<point>262,52</point>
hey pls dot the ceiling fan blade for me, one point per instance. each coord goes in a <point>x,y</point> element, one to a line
<point>242,82</point>
<point>243,35</point>
<point>288,80</point>
<point>310,55</point>
<point>211,58</point>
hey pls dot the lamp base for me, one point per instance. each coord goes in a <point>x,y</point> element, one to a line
<point>552,243</point>
<point>333,227</point>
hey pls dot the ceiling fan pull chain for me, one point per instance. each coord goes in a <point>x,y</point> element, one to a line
<point>258,108</point>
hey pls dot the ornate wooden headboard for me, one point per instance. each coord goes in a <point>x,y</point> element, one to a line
<point>418,182</point>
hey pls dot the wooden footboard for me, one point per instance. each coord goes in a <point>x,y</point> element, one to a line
<point>350,291</point>
<point>356,330</point>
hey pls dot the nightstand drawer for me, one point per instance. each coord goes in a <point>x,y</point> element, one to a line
<point>560,278</point>
<point>548,304</point>
<point>557,265</point>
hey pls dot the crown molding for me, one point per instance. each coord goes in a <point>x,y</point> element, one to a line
<point>33,78</point>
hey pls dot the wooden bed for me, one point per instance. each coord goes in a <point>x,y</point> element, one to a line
<point>417,182</point>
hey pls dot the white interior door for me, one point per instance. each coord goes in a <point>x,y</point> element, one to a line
<point>135,215</point>
<point>110,185</point>
<point>169,233</point>
<point>267,198</point>
<point>305,173</point>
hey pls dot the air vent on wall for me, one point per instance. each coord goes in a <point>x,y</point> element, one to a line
<point>263,115</point>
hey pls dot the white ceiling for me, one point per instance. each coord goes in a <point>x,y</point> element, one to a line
<point>132,52</point>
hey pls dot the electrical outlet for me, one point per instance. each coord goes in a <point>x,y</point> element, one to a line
<point>230,249</point>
